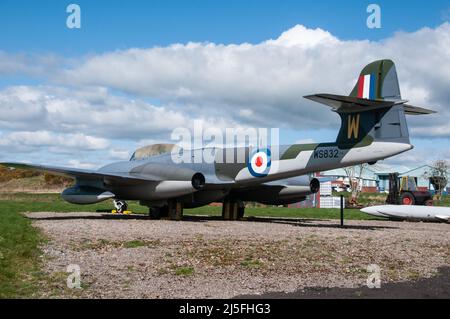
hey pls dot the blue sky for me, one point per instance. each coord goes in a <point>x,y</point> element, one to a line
<point>39,26</point>
<point>33,35</point>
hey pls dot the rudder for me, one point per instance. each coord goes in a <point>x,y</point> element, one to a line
<point>378,81</point>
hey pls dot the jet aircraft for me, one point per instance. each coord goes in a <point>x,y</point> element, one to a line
<point>373,128</point>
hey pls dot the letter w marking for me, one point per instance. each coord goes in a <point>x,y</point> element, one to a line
<point>353,126</point>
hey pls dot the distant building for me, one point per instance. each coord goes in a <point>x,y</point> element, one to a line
<point>375,178</point>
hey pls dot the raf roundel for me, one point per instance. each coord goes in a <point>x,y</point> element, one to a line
<point>259,163</point>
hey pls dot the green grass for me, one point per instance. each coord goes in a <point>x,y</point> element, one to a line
<point>312,213</point>
<point>184,271</point>
<point>251,263</point>
<point>102,244</point>
<point>19,254</point>
<point>134,244</point>
<point>24,202</point>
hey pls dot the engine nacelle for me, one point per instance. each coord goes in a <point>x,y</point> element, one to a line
<point>85,195</point>
<point>168,189</point>
<point>293,192</point>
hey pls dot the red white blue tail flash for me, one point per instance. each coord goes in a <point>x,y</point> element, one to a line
<point>367,86</point>
<point>259,163</point>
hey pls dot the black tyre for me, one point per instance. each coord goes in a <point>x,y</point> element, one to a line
<point>241,212</point>
<point>122,208</point>
<point>154,213</point>
<point>407,199</point>
<point>158,212</point>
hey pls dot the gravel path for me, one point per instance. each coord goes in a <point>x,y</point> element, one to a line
<point>133,257</point>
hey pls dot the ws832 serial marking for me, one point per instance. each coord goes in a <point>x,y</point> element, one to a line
<point>328,152</point>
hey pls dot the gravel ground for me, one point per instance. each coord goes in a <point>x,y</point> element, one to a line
<point>133,257</point>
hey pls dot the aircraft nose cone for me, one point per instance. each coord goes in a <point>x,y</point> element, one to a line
<point>368,210</point>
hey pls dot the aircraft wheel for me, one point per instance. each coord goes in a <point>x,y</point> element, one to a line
<point>407,199</point>
<point>120,206</point>
<point>154,212</point>
<point>175,210</point>
<point>429,202</point>
<point>233,209</point>
<point>158,212</point>
<point>241,210</point>
<point>164,211</point>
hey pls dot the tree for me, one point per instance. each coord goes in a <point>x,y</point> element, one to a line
<point>438,176</point>
<point>354,174</point>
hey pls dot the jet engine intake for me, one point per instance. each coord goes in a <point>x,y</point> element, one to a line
<point>314,185</point>
<point>198,181</point>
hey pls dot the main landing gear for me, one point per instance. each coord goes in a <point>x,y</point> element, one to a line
<point>173,210</point>
<point>233,209</point>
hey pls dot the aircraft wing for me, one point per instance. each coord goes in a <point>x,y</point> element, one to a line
<point>416,110</point>
<point>86,174</point>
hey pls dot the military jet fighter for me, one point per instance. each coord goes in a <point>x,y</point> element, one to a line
<point>373,127</point>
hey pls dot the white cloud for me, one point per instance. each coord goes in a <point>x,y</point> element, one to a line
<point>29,140</point>
<point>306,141</point>
<point>300,36</point>
<point>79,164</point>
<point>119,154</point>
<point>432,130</point>
<point>92,111</point>
<point>30,64</point>
<point>263,84</point>
<point>420,156</point>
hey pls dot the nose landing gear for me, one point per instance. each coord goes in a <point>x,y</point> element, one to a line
<point>120,205</point>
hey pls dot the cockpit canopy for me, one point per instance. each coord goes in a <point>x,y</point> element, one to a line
<point>151,150</point>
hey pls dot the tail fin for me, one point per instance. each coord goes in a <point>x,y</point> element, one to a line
<point>378,81</point>
<point>374,110</point>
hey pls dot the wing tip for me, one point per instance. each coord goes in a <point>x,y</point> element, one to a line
<point>416,110</point>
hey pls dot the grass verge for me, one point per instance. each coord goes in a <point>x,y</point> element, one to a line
<point>19,255</point>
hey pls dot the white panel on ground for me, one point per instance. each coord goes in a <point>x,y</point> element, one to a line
<point>325,189</point>
<point>330,202</point>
